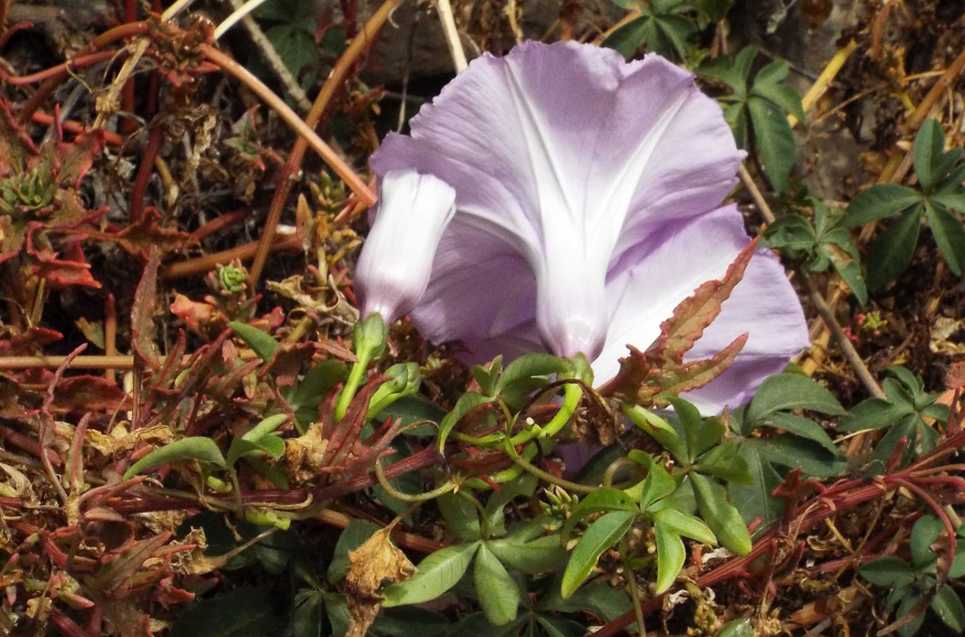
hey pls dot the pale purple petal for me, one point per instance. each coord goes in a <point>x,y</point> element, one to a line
<point>568,154</point>
<point>669,267</point>
<point>396,261</point>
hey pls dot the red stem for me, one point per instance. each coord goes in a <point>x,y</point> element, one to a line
<point>144,172</point>
<point>60,70</point>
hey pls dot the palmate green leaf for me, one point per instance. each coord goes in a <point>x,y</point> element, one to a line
<point>295,45</point>
<point>671,555</point>
<point>784,392</point>
<point>658,429</point>
<point>791,451</point>
<point>193,448</point>
<point>773,141</point>
<point>527,373</point>
<point>804,427</point>
<point>949,234</point>
<point>839,249</point>
<point>892,250</point>
<point>308,609</point>
<point>769,84</point>
<point>603,499</point>
<point>733,71</point>
<point>720,515</point>
<point>435,575</point>
<point>880,202</point>
<point>261,342</point>
<point>659,28</point>
<point>874,413</point>
<point>497,592</point>
<point>542,555</point>
<point>601,535</point>
<point>656,486</point>
<point>523,486</point>
<point>948,606</point>
<point>755,500</point>
<point>244,612</point>
<point>927,153</point>
<point>597,597</point>
<point>686,525</point>
<point>460,516</point>
<point>700,435</point>
<point>725,462</point>
<point>951,200</point>
<point>793,234</point>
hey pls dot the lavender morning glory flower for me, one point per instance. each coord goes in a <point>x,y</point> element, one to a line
<point>587,193</point>
<point>394,269</point>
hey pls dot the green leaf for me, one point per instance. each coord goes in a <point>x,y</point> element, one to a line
<point>530,366</point>
<point>523,486</point>
<point>790,451</point>
<point>720,515</point>
<point>769,84</point>
<point>354,536</point>
<point>261,342</point>
<point>309,393</point>
<point>773,141</point>
<point>435,575</point>
<point>927,153</point>
<point>603,499</point>
<point>958,566</point>
<point>755,500</point>
<point>244,612</point>
<point>841,251</point>
<point>671,555</point>
<point>923,534</point>
<point>597,597</point>
<point>732,71</point>
<point>804,427</point>
<point>911,604</point>
<point>631,36</point>
<point>656,486</point>
<point>948,606</point>
<point>497,592</point>
<point>892,250</point>
<point>700,435</point>
<point>725,462</point>
<point>295,45</point>
<point>460,515</point>
<point>194,448</point>
<point>880,202</point>
<point>954,200</point>
<point>874,413</point>
<point>658,429</point>
<point>741,627</point>
<point>783,392</point>
<point>888,572</point>
<point>269,444</point>
<point>793,234</point>
<point>466,403</point>
<point>542,555</point>
<point>949,234</point>
<point>686,525</point>
<point>307,612</point>
<point>601,535</point>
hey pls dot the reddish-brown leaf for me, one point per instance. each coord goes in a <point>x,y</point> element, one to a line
<point>692,316</point>
<point>672,379</point>
<point>87,393</point>
<point>142,314</point>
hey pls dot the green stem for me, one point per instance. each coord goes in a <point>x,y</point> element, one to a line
<point>352,384</point>
<point>543,475</point>
<point>633,590</point>
<point>442,489</point>
<point>572,394</point>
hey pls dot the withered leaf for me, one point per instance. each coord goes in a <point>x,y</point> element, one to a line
<point>372,566</point>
